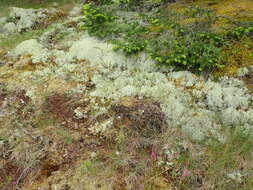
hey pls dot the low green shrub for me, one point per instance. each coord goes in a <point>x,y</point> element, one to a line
<point>238,32</point>
<point>133,40</point>
<point>105,2</point>
<point>163,35</point>
<point>196,11</point>
<point>214,38</point>
<point>97,21</point>
<point>192,54</point>
<point>129,4</point>
<point>132,46</point>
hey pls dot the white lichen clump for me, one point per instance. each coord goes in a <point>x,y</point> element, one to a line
<point>9,27</point>
<point>3,20</point>
<point>220,97</point>
<point>236,176</point>
<point>93,50</point>
<point>38,53</point>
<point>21,20</point>
<point>243,71</point>
<point>102,56</point>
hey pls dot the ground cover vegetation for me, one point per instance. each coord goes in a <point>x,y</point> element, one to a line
<point>126,95</point>
<point>182,39</point>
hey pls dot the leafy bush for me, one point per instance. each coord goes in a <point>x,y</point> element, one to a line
<point>238,32</point>
<point>216,39</point>
<point>97,21</point>
<point>133,39</point>
<point>182,40</point>
<point>129,4</point>
<point>132,46</point>
<point>105,2</point>
<point>192,54</point>
<point>195,11</point>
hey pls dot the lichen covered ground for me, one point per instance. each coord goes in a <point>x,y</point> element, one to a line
<point>76,115</point>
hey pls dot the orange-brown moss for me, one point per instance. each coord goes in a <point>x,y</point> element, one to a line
<point>226,10</point>
<point>239,54</point>
<point>239,10</point>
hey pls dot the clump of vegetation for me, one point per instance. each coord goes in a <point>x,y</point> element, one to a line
<point>239,32</point>
<point>97,21</point>
<point>130,47</point>
<point>133,40</point>
<point>81,122</point>
<point>168,38</point>
<point>197,52</point>
<point>189,169</point>
<point>129,4</point>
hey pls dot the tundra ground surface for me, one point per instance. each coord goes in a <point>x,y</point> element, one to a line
<point>91,100</point>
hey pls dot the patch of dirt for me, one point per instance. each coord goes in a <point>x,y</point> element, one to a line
<point>11,175</point>
<point>63,108</point>
<point>144,116</point>
<point>58,105</point>
<point>47,168</point>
